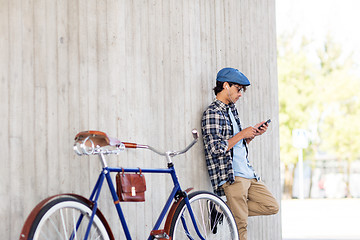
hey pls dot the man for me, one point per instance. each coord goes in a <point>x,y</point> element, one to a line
<point>226,152</point>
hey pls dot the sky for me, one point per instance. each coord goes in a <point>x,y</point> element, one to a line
<point>316,18</point>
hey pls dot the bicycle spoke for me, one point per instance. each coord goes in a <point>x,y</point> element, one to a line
<point>44,235</point>
<point>94,233</point>
<point>63,222</point>
<point>74,224</point>
<point>202,220</point>
<point>55,227</point>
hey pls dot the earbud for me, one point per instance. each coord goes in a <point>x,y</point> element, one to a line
<point>227,87</point>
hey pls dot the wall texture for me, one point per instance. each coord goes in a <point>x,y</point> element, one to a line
<point>141,70</point>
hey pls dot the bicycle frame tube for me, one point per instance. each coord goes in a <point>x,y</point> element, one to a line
<point>117,206</point>
<point>106,174</point>
<point>94,198</point>
<point>165,209</point>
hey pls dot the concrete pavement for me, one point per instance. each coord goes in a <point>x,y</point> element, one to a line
<point>326,219</point>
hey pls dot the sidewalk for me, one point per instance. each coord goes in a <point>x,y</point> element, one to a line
<point>330,219</point>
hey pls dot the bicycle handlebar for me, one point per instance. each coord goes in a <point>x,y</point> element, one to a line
<point>95,142</point>
<point>172,153</point>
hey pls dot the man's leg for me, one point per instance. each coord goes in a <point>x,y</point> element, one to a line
<point>261,201</point>
<point>237,198</point>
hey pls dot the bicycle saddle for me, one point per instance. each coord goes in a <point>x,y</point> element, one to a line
<point>98,138</point>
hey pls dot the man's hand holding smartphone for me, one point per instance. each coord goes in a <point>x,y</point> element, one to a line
<point>263,127</point>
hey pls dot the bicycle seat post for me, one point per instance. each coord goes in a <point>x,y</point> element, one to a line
<point>103,160</point>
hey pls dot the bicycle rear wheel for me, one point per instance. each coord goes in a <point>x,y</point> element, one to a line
<point>66,218</point>
<point>212,215</point>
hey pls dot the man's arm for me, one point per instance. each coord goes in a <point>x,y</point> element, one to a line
<point>213,139</point>
<point>247,133</point>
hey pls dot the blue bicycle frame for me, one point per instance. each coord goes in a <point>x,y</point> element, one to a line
<point>106,174</point>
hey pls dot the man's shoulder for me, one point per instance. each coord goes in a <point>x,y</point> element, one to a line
<point>211,111</point>
<point>213,107</point>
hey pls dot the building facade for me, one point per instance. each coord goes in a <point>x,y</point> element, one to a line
<point>140,70</point>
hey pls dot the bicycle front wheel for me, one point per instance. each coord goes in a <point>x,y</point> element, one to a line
<point>213,218</point>
<point>66,218</point>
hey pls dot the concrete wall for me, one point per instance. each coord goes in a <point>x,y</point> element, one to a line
<point>139,70</point>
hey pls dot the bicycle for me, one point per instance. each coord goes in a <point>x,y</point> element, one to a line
<point>196,215</point>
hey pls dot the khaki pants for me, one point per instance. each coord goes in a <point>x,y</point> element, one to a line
<point>249,197</point>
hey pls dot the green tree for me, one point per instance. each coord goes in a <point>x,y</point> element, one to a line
<point>339,104</point>
<point>296,98</point>
<point>319,93</point>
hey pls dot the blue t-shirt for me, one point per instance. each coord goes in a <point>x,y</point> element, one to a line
<point>241,165</point>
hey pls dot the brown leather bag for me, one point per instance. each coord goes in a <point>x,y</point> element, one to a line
<point>131,187</point>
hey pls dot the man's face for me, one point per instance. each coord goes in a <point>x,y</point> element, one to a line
<point>235,92</point>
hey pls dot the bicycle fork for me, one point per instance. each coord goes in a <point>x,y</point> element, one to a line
<point>187,202</point>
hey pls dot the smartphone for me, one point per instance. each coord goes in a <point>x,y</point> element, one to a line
<point>267,122</point>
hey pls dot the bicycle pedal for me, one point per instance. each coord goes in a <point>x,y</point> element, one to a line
<point>159,234</point>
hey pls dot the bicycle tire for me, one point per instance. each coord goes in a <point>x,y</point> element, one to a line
<point>58,220</point>
<point>203,205</point>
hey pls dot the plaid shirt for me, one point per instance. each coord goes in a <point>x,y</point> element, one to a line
<point>216,128</point>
